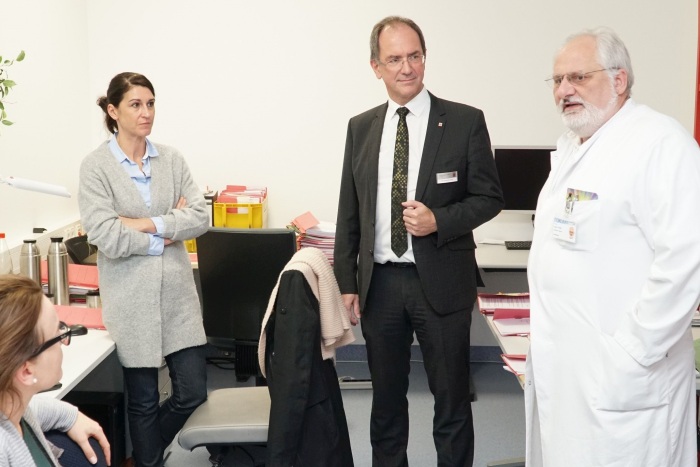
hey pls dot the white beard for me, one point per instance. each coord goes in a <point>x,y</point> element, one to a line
<point>588,119</point>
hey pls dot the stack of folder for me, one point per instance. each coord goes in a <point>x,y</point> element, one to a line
<point>511,317</point>
<point>511,312</point>
<point>312,233</point>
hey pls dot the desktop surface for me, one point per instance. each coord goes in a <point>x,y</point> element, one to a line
<point>498,257</point>
<point>82,356</point>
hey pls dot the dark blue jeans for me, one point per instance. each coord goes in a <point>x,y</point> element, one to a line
<point>153,427</point>
<point>73,454</point>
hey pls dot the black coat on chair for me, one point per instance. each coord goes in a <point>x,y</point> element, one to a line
<point>307,420</point>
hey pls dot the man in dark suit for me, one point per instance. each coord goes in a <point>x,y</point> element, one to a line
<point>414,270</point>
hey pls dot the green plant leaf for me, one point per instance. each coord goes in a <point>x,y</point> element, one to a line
<point>9,83</point>
<point>2,106</point>
<point>20,57</point>
<point>7,123</point>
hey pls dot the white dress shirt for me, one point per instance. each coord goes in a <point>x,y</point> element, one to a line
<point>417,123</point>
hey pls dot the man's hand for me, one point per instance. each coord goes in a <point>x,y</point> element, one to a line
<point>352,306</point>
<point>418,219</point>
<point>85,428</point>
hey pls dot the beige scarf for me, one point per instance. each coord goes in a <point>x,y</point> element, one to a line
<point>336,330</point>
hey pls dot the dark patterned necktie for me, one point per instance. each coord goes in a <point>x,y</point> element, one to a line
<point>399,240</point>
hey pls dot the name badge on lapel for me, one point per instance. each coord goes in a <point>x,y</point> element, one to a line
<point>446,177</point>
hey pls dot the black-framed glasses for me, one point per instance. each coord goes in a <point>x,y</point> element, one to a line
<point>63,338</point>
<point>575,79</point>
<point>397,62</point>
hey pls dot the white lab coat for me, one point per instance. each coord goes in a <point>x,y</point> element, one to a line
<point>610,379</point>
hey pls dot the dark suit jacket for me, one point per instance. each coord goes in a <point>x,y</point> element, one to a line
<point>307,426</point>
<point>456,140</point>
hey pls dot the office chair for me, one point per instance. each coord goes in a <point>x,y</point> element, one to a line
<point>79,249</point>
<point>238,269</point>
<point>302,412</point>
<point>231,420</point>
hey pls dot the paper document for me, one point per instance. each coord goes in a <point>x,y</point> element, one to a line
<point>491,241</point>
<point>512,326</point>
<point>305,221</point>
<point>489,303</point>
<point>514,363</point>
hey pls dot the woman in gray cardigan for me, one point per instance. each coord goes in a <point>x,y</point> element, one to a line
<point>30,362</point>
<point>138,203</point>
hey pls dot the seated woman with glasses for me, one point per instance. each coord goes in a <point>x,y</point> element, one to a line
<point>30,362</point>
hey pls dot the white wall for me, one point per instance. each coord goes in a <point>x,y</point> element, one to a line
<point>260,92</point>
<point>49,137</point>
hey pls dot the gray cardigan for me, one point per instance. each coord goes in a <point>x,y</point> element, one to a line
<point>43,414</point>
<point>149,303</point>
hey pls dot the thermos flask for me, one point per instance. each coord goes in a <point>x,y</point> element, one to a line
<point>30,261</point>
<point>57,260</point>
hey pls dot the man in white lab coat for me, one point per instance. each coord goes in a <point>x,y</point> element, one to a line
<point>614,275</point>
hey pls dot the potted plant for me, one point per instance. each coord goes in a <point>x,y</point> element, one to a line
<point>6,85</point>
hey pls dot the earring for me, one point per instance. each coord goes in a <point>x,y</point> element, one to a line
<point>34,381</point>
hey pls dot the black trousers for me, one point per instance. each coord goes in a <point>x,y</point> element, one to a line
<point>396,307</point>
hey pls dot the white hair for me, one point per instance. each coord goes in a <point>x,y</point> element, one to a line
<point>611,51</point>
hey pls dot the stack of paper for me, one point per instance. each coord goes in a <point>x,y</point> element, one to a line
<point>490,302</point>
<point>511,312</point>
<point>314,233</point>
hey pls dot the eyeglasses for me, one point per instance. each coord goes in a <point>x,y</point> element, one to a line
<point>63,337</point>
<point>575,79</point>
<point>395,63</point>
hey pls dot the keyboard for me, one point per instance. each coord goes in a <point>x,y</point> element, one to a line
<point>518,245</point>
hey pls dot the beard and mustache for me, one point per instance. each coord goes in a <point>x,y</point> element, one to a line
<point>588,118</point>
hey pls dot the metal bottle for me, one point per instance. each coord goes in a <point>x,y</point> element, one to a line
<point>57,260</point>
<point>30,261</point>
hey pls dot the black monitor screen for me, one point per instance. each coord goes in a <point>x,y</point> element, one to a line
<point>238,268</point>
<point>522,172</point>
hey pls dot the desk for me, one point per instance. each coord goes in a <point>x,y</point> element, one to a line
<point>504,271</point>
<point>499,257</point>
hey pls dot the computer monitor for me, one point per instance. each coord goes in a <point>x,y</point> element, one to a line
<point>522,171</point>
<point>238,268</point>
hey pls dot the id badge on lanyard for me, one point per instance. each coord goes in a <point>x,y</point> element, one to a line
<point>564,227</point>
